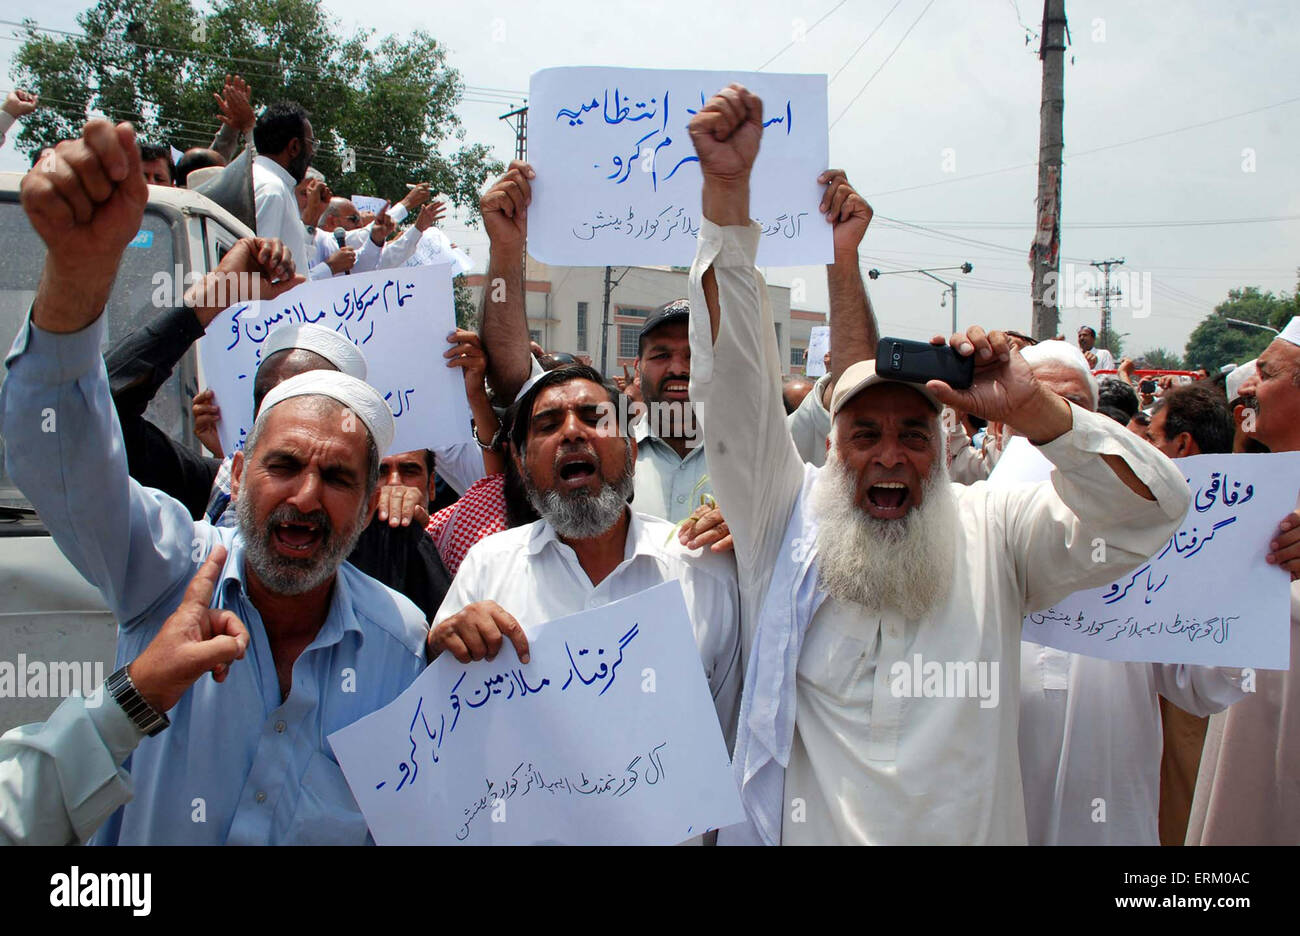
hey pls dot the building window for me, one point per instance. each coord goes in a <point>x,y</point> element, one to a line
<point>633,311</point>
<point>628,341</point>
<point>535,334</point>
<point>582,326</point>
<point>796,356</point>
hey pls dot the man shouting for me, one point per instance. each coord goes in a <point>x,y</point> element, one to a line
<point>882,603</point>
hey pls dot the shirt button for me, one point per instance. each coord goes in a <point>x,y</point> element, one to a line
<point>261,796</point>
<point>279,727</point>
<point>681,498</point>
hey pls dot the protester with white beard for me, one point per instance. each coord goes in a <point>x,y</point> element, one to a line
<point>883,605</point>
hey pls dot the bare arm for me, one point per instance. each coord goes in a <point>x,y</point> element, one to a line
<point>854,333</point>
<point>504,326</point>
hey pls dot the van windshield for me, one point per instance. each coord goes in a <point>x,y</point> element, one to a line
<point>129,306</point>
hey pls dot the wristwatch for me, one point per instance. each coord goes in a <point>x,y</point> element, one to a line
<point>143,715</point>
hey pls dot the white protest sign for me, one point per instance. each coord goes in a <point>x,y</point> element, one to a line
<point>819,342</point>
<point>1207,596</point>
<point>608,736</point>
<point>369,203</point>
<point>434,248</point>
<point>398,318</point>
<point>618,180</point>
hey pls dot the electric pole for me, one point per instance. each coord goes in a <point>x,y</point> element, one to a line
<point>604,319</point>
<point>1105,294</point>
<point>1044,254</point>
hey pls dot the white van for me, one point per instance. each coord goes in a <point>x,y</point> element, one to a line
<point>48,612</point>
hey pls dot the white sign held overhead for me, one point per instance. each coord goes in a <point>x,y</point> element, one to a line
<point>369,203</point>
<point>398,318</point>
<point>819,342</point>
<point>607,736</point>
<point>618,181</point>
<point>1207,596</point>
<point>434,248</point>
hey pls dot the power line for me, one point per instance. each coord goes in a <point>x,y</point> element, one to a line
<point>793,42</point>
<point>864,42</point>
<point>863,89</point>
<point>1090,152</point>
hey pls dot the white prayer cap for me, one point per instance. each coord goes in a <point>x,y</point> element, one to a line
<point>314,173</point>
<point>357,395</point>
<point>1061,352</point>
<point>1292,331</point>
<point>330,345</point>
<point>1239,376</point>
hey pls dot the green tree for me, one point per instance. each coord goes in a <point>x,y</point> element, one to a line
<point>392,101</point>
<point>1112,342</point>
<point>1216,341</point>
<point>1162,359</point>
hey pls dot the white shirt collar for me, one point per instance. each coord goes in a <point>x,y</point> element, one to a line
<point>278,170</point>
<point>639,540</point>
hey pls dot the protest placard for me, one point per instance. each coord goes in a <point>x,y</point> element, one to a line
<point>1207,596</point>
<point>618,180</point>
<point>607,736</point>
<point>369,203</point>
<point>819,342</point>
<point>435,248</point>
<point>398,318</point>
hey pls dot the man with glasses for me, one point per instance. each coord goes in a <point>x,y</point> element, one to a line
<point>285,146</point>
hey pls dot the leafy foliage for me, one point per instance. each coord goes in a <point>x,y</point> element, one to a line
<point>157,63</point>
<point>1216,341</point>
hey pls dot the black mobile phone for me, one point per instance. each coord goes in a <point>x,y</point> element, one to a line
<point>919,361</point>
<point>1147,386</point>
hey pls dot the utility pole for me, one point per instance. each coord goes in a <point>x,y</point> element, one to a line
<point>604,326</point>
<point>1105,294</point>
<point>604,319</point>
<point>518,121</point>
<point>1044,254</point>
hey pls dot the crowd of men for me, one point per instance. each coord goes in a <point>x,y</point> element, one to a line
<point>822,532</point>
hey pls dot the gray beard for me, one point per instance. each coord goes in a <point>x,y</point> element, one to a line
<point>902,565</point>
<point>582,515</point>
<point>281,574</point>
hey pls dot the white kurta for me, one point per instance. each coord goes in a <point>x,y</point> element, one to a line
<point>1091,740</point>
<point>277,211</point>
<point>869,764</point>
<point>326,244</point>
<point>1248,788</point>
<point>537,578</point>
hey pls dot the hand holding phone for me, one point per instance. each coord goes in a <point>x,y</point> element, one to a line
<point>920,362</point>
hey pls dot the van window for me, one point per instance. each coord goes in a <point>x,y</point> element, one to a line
<point>129,306</point>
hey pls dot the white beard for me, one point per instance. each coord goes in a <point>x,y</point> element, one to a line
<point>903,565</point>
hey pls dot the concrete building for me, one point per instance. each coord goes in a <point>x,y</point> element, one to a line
<point>565,306</point>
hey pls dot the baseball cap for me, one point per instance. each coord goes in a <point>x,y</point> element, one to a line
<point>668,312</point>
<point>862,375</point>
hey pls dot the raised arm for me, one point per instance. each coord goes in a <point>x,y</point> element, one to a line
<point>63,444</point>
<point>235,111</point>
<point>854,333</point>
<point>504,326</point>
<point>735,362</point>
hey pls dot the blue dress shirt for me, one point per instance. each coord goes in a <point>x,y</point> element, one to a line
<point>237,765</point>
